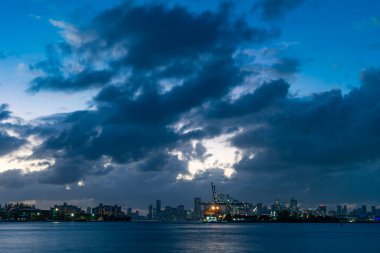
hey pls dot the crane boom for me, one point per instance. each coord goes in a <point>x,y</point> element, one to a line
<point>213,192</point>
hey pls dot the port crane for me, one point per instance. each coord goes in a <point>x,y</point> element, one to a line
<point>223,203</point>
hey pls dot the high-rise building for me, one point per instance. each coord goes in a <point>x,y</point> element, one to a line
<point>364,209</point>
<point>373,210</point>
<point>338,209</point>
<point>322,210</point>
<point>107,210</point>
<point>197,208</point>
<point>276,207</point>
<point>150,212</point>
<point>181,213</point>
<point>158,209</point>
<point>344,210</point>
<point>293,207</point>
<point>259,208</point>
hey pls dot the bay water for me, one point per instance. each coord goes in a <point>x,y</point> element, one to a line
<point>188,237</point>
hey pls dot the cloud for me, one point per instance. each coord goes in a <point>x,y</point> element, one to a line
<point>169,84</point>
<point>70,33</point>
<point>14,179</point>
<point>9,143</point>
<point>67,170</point>
<point>34,16</point>
<point>287,65</point>
<point>327,131</point>
<point>82,81</point>
<point>132,53</point>
<point>155,39</point>
<point>275,9</point>
<point>4,112</point>
<point>262,97</point>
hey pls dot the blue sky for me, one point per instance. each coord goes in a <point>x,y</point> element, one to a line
<point>115,94</point>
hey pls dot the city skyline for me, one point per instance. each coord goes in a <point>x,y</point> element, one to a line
<point>130,102</point>
<point>242,211</point>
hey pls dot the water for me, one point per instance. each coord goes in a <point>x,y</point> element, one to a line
<point>161,237</point>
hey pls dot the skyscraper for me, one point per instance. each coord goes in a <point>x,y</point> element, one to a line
<point>197,208</point>
<point>344,211</point>
<point>150,213</point>
<point>276,206</point>
<point>322,210</point>
<point>364,209</point>
<point>259,208</point>
<point>338,209</point>
<point>158,209</point>
<point>373,210</point>
<point>293,203</point>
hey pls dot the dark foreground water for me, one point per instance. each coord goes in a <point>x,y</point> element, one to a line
<point>160,237</point>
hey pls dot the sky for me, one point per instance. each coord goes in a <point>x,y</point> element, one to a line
<point>131,101</point>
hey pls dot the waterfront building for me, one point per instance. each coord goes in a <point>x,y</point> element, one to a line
<point>339,210</point>
<point>107,210</point>
<point>364,210</point>
<point>344,210</point>
<point>197,208</point>
<point>158,209</point>
<point>322,210</point>
<point>293,203</point>
<point>66,211</point>
<point>276,207</point>
<point>373,210</point>
<point>150,212</point>
<point>293,207</point>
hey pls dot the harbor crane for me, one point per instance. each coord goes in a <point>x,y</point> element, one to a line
<point>223,203</point>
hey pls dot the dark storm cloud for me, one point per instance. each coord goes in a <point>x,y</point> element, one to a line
<point>12,134</point>
<point>68,170</point>
<point>287,65</point>
<point>9,143</point>
<point>326,132</point>
<point>274,9</point>
<point>161,161</point>
<point>214,80</point>
<point>264,96</point>
<point>13,179</point>
<point>133,119</point>
<point>156,35</point>
<point>163,42</point>
<point>82,81</point>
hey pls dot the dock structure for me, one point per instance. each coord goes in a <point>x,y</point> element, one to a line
<point>224,207</point>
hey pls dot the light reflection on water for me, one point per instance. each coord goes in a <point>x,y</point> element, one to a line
<point>161,237</point>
